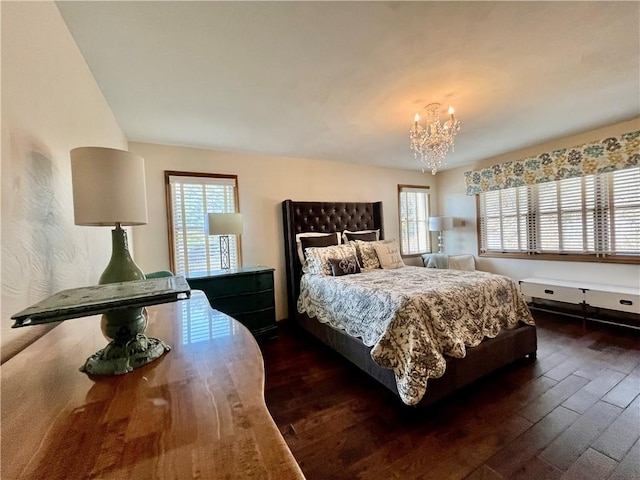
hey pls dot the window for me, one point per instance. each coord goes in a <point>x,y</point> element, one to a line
<point>592,216</point>
<point>190,196</point>
<point>413,205</point>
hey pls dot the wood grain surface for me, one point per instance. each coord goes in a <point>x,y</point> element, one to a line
<point>572,414</point>
<point>198,412</point>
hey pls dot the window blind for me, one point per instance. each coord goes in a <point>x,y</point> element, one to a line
<point>414,220</point>
<point>590,215</point>
<point>625,207</point>
<point>192,198</point>
<point>505,223</point>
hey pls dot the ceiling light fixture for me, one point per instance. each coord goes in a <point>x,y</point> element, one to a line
<point>431,143</point>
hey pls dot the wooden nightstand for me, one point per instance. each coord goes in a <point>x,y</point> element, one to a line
<point>245,294</point>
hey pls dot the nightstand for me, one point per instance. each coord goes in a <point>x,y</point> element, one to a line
<point>244,293</point>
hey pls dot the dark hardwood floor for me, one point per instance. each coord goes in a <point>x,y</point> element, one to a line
<point>574,413</point>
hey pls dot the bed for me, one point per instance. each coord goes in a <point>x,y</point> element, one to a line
<point>510,344</point>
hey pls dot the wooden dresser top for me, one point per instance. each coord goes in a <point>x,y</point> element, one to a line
<point>198,412</point>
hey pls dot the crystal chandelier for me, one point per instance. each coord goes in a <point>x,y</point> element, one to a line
<point>431,143</point>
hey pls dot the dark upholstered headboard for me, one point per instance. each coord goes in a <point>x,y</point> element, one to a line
<point>323,217</point>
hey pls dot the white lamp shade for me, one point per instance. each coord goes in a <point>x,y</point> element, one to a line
<point>440,224</point>
<point>108,187</point>
<point>225,224</point>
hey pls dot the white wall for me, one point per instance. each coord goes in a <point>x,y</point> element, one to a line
<point>463,239</point>
<point>263,183</point>
<point>50,104</point>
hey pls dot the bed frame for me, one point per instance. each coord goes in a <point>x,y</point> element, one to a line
<point>330,217</point>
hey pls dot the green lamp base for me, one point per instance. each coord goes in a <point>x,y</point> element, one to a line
<point>129,347</point>
<point>119,357</point>
<point>121,267</point>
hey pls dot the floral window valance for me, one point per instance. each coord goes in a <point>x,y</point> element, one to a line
<point>608,155</point>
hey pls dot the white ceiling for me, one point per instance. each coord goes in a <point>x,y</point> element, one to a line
<point>342,80</point>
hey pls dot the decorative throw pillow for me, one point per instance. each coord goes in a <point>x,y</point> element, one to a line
<point>367,255</point>
<point>344,266</point>
<point>318,258</point>
<point>326,236</point>
<point>359,234</point>
<point>389,254</point>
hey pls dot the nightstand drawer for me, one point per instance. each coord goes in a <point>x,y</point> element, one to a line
<point>613,300</point>
<point>232,285</point>
<point>552,292</point>
<point>244,293</point>
<point>247,302</point>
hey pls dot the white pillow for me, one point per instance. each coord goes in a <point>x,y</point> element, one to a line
<point>345,239</point>
<point>462,262</point>
<point>318,258</point>
<point>389,254</point>
<point>311,234</point>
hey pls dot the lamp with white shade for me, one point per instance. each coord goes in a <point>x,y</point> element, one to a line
<point>440,224</point>
<point>224,224</point>
<point>109,190</point>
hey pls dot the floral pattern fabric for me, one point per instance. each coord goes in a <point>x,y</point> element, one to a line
<point>367,255</point>
<point>608,155</point>
<point>317,262</point>
<point>413,316</point>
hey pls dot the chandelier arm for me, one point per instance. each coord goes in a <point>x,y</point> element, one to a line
<point>431,143</point>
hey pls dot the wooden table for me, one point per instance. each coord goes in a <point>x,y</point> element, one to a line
<point>198,412</point>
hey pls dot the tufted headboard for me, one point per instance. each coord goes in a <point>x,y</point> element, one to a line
<point>324,217</point>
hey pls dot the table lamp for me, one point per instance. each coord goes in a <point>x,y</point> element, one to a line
<point>225,224</point>
<point>109,190</point>
<point>440,224</point>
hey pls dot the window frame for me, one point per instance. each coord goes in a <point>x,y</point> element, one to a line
<point>556,256</point>
<point>427,190</point>
<point>169,208</point>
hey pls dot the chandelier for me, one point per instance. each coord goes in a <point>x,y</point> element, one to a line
<point>431,143</point>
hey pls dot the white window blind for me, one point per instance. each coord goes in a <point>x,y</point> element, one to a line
<point>505,223</point>
<point>192,198</point>
<point>590,215</point>
<point>414,220</point>
<point>625,207</point>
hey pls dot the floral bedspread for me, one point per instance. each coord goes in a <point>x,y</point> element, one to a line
<point>412,316</point>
